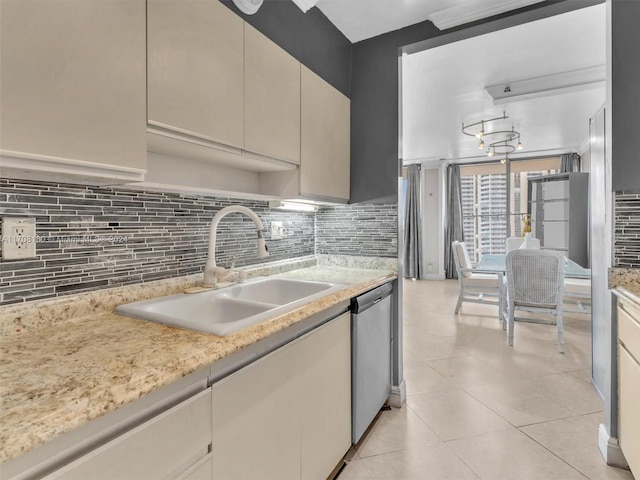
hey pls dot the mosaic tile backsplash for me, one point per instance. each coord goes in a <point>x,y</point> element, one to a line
<point>626,245</point>
<point>89,238</point>
<point>96,237</point>
<point>358,229</point>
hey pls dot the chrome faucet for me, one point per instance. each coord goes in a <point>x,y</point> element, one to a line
<point>214,273</point>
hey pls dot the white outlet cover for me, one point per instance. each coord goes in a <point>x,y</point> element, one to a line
<point>276,230</point>
<point>18,238</point>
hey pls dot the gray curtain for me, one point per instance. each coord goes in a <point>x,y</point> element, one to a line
<point>569,162</point>
<point>454,228</point>
<point>412,224</point>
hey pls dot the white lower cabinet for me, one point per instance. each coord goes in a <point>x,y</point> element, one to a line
<point>287,415</point>
<point>629,385</point>
<point>174,443</point>
<point>200,471</point>
<point>252,434</point>
<point>325,396</point>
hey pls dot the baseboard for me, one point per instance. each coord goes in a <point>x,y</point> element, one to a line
<point>398,395</point>
<point>432,276</point>
<point>610,449</point>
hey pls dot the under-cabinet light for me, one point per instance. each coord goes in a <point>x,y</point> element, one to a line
<point>293,206</point>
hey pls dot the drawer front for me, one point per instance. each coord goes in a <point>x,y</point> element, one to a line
<point>629,329</point>
<point>629,392</point>
<point>200,471</point>
<point>161,448</point>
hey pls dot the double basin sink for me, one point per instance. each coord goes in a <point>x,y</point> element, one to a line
<point>225,311</point>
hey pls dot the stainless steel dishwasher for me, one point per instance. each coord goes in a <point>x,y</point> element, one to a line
<point>370,356</point>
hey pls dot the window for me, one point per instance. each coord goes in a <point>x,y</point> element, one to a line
<point>494,201</point>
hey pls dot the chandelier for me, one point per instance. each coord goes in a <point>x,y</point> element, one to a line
<point>498,142</point>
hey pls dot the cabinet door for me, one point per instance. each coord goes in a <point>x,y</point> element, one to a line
<point>163,447</point>
<point>199,471</point>
<point>73,81</point>
<point>325,363</point>
<point>556,235</point>
<point>325,139</point>
<point>557,210</point>
<point>272,98</point>
<point>195,69</point>
<point>555,190</point>
<point>256,420</point>
<point>629,383</point>
<point>629,391</point>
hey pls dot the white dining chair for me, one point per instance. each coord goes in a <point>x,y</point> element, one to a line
<point>513,243</point>
<point>535,281</point>
<point>475,286</point>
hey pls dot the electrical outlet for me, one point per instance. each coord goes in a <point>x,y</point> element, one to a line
<point>18,238</point>
<point>277,231</point>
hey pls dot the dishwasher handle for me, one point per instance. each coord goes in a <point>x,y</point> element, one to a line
<point>369,299</point>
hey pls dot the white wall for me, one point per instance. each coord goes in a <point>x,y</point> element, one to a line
<point>432,222</point>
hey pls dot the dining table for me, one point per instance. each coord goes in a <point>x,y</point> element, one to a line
<point>497,263</point>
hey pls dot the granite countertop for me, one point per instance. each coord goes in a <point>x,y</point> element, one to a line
<point>75,361</point>
<point>625,282</point>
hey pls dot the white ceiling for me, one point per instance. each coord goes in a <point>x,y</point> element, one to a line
<point>444,87</point>
<point>361,19</point>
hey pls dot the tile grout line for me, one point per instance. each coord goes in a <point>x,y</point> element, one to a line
<point>553,453</point>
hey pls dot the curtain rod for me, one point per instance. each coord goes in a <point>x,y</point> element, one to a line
<point>491,162</point>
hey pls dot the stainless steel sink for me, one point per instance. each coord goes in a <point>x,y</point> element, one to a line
<point>222,312</point>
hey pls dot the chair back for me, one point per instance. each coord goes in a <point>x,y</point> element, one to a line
<point>513,243</point>
<point>535,278</point>
<point>461,258</point>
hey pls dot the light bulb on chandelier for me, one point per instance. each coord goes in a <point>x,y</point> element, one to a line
<point>503,141</point>
<point>480,134</point>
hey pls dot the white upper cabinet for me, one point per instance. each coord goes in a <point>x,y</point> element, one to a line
<point>272,98</point>
<point>326,139</point>
<point>73,83</point>
<point>195,69</point>
<point>325,146</point>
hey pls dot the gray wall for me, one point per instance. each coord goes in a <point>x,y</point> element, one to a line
<point>374,113</point>
<point>625,16</point>
<point>309,37</point>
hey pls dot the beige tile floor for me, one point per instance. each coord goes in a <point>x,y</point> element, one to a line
<point>479,409</point>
